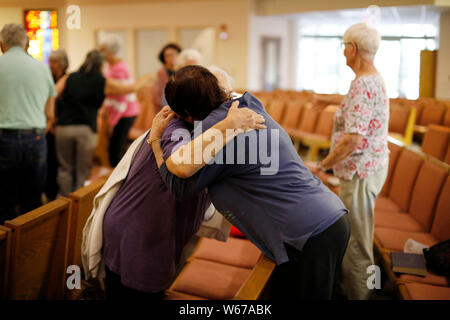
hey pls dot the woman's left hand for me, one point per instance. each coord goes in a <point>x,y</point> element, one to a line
<point>160,122</point>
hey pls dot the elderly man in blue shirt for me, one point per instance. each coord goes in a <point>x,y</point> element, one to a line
<point>27,95</point>
<point>260,185</point>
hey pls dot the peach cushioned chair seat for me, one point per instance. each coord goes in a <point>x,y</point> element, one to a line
<point>420,291</point>
<point>400,221</point>
<point>210,280</point>
<point>430,278</point>
<point>394,240</point>
<point>235,252</point>
<point>386,204</point>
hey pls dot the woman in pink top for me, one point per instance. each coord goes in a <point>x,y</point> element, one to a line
<point>359,154</point>
<point>124,109</point>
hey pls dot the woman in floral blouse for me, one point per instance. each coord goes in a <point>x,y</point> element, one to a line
<point>359,154</point>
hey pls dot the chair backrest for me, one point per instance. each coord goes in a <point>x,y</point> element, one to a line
<point>394,154</point>
<point>39,252</point>
<point>325,121</point>
<point>447,155</point>
<point>143,97</point>
<point>436,141</point>
<point>446,120</point>
<point>276,109</point>
<point>264,101</point>
<point>432,114</point>
<point>101,149</point>
<point>151,111</point>
<point>5,247</point>
<point>441,223</point>
<point>398,118</point>
<point>82,204</point>
<point>426,190</point>
<point>404,178</point>
<point>309,118</point>
<point>292,114</point>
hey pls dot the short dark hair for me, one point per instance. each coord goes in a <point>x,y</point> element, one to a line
<point>93,62</point>
<point>168,46</point>
<point>194,91</point>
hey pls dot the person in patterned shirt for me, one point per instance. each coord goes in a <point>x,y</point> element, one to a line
<point>359,154</point>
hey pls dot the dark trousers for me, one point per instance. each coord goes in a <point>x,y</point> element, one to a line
<point>119,139</point>
<point>51,186</point>
<point>23,170</point>
<point>313,272</point>
<point>115,290</point>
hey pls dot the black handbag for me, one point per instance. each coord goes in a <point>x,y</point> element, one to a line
<point>437,258</point>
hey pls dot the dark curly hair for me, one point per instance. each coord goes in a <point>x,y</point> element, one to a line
<point>194,91</point>
<point>168,46</point>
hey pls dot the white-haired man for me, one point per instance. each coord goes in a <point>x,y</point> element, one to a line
<point>27,98</point>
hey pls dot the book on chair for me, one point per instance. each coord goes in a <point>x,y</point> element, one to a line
<point>411,263</point>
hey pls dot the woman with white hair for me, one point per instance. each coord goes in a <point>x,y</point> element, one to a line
<point>58,63</point>
<point>359,153</point>
<point>188,57</point>
<point>123,109</point>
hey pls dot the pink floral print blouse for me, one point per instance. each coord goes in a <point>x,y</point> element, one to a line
<point>364,111</point>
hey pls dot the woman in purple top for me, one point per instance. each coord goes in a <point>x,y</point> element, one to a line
<point>261,185</point>
<point>145,228</point>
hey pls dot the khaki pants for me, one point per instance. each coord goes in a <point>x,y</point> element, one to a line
<point>75,147</point>
<point>359,197</point>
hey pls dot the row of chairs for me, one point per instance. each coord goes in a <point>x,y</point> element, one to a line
<point>429,111</point>
<point>306,124</point>
<point>406,116</point>
<point>309,120</point>
<point>36,248</point>
<point>414,203</point>
<point>235,269</point>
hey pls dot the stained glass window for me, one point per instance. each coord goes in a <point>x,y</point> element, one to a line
<point>42,30</point>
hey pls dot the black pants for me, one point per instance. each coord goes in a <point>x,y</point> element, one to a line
<point>51,187</point>
<point>119,139</point>
<point>23,171</point>
<point>313,272</point>
<point>115,290</point>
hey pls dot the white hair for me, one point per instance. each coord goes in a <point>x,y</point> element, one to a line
<point>225,80</point>
<point>112,42</point>
<point>188,57</point>
<point>366,38</point>
<point>13,34</point>
<point>61,55</point>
